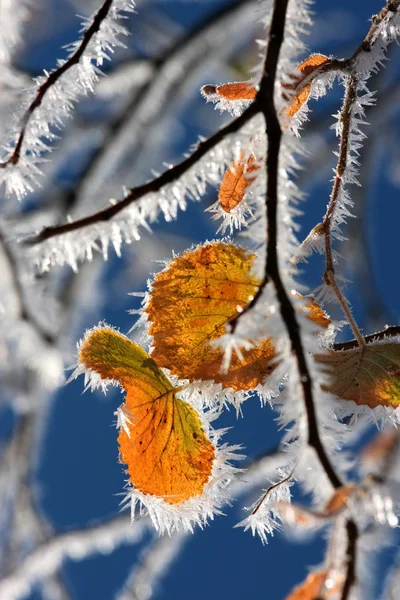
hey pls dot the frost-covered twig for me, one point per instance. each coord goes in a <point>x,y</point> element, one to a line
<point>23,312</point>
<point>169,176</point>
<point>332,209</point>
<point>156,560</point>
<point>388,332</point>
<point>138,117</point>
<point>76,545</point>
<point>54,97</point>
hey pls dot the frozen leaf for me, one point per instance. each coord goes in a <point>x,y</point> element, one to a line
<point>236,181</point>
<point>191,303</point>
<point>369,376</point>
<point>243,90</point>
<point>315,313</point>
<point>162,441</point>
<point>306,68</point>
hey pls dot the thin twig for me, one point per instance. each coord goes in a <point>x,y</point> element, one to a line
<point>327,223</point>
<point>142,99</point>
<point>389,332</point>
<point>270,489</point>
<point>53,77</point>
<point>347,65</point>
<point>175,172</point>
<point>24,314</point>
<point>154,185</point>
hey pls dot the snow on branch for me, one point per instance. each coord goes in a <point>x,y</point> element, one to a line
<point>122,220</point>
<point>53,98</point>
<point>26,340</point>
<point>76,545</point>
<point>138,124</point>
<point>166,193</point>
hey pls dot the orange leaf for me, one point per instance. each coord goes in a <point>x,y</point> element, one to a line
<point>339,498</point>
<point>369,376</point>
<point>314,312</point>
<point>191,302</point>
<point>306,68</point>
<point>314,587</point>
<point>236,181</point>
<point>242,90</point>
<point>162,441</point>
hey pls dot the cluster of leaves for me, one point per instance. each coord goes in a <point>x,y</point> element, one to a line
<point>222,321</point>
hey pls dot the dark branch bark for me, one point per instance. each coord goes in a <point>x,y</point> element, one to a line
<point>351,552</point>
<point>154,185</point>
<point>272,273</point>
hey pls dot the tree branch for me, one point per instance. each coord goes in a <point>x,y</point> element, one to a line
<point>154,185</point>
<point>172,78</point>
<point>53,77</point>
<point>175,172</point>
<point>24,314</point>
<point>274,135</point>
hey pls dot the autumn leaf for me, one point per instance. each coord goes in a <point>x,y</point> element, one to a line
<point>314,587</point>
<point>339,499</point>
<point>244,90</point>
<point>162,441</point>
<point>236,181</point>
<point>369,375</point>
<point>306,68</point>
<point>190,304</point>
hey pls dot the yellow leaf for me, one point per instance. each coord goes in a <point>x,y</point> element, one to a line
<point>190,304</point>
<point>236,181</point>
<point>369,376</point>
<point>241,90</point>
<point>162,442</point>
<point>306,68</point>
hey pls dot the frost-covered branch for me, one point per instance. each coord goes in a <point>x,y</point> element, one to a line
<point>56,93</point>
<point>333,210</point>
<point>272,272</point>
<point>135,123</point>
<point>23,312</point>
<point>76,545</point>
<point>167,177</point>
<point>157,559</point>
